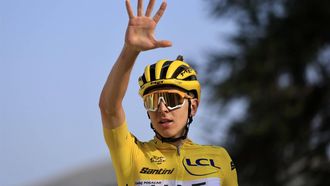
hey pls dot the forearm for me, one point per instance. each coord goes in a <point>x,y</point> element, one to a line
<point>115,88</point>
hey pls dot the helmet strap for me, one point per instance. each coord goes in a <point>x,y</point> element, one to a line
<point>184,136</point>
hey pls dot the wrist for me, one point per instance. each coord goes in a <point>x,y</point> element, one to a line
<point>129,54</point>
<point>131,49</point>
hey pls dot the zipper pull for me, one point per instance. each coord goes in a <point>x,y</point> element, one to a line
<point>178,149</point>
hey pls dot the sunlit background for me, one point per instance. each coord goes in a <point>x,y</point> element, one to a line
<point>54,59</point>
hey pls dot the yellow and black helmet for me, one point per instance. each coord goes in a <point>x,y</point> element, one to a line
<point>169,74</point>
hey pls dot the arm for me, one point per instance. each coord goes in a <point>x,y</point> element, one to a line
<point>139,37</point>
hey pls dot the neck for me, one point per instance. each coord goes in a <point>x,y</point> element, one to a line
<point>176,143</point>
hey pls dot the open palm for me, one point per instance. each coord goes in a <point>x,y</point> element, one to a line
<point>141,28</point>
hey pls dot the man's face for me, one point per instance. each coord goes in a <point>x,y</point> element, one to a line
<point>171,123</point>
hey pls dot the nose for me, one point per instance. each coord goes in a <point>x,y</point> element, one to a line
<point>162,107</point>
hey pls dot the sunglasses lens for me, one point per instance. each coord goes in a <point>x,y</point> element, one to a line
<point>150,103</point>
<point>171,100</point>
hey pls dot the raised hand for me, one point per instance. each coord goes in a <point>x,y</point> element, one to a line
<point>140,31</point>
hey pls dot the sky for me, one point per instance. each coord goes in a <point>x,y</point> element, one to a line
<point>55,56</point>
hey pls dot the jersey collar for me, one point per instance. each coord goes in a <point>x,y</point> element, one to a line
<point>164,145</point>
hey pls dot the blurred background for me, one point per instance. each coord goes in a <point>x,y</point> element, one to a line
<point>264,67</point>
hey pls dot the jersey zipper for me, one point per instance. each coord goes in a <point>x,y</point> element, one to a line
<point>178,148</point>
<point>179,175</point>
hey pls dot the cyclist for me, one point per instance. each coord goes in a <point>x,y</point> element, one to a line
<point>171,94</point>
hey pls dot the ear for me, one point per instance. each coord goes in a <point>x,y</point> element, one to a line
<point>194,106</point>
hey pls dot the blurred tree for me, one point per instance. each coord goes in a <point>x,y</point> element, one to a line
<point>279,65</point>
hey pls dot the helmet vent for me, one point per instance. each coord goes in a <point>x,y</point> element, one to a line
<point>143,78</point>
<point>152,72</point>
<point>165,66</point>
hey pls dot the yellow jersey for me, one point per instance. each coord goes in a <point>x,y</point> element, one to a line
<point>155,163</point>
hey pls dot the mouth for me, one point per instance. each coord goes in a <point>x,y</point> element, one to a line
<point>165,122</point>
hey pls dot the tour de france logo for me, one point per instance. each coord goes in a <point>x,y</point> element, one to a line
<point>157,159</point>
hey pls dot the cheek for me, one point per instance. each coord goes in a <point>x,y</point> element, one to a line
<point>182,118</point>
<point>181,115</point>
<point>153,117</point>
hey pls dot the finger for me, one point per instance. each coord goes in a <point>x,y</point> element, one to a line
<point>163,43</point>
<point>150,7</point>
<point>140,8</point>
<point>160,12</point>
<point>129,9</point>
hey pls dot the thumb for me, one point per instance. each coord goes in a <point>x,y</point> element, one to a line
<point>164,43</point>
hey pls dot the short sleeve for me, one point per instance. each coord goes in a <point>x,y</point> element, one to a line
<point>230,170</point>
<point>122,145</point>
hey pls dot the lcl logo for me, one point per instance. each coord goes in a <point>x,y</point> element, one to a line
<point>202,162</point>
<point>197,167</point>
